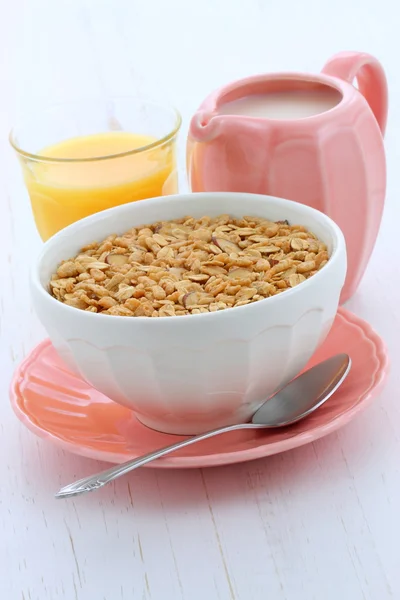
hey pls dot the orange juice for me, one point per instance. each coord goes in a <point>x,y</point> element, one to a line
<point>83,175</point>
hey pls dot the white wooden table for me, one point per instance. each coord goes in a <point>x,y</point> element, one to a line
<point>321,522</point>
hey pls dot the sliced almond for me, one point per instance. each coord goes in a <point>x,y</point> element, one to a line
<point>253,252</point>
<point>295,279</point>
<point>190,299</point>
<point>166,253</point>
<point>124,293</point>
<point>199,277</point>
<point>239,274</point>
<point>214,249</point>
<point>204,235</point>
<point>180,232</point>
<point>215,262</point>
<point>99,265</point>
<point>225,245</point>
<point>245,231</point>
<point>246,293</point>
<point>160,239</point>
<point>267,249</point>
<point>271,230</point>
<point>178,271</point>
<point>116,260</point>
<point>213,270</point>
<point>298,244</point>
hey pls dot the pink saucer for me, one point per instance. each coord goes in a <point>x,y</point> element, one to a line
<point>60,407</point>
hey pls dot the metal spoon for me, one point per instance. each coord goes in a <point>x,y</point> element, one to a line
<point>295,401</point>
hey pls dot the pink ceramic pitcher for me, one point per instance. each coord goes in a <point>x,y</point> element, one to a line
<point>315,139</point>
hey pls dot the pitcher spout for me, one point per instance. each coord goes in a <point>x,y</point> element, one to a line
<point>205,126</point>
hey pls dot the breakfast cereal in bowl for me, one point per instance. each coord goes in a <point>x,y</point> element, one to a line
<point>185,309</point>
<point>189,266</point>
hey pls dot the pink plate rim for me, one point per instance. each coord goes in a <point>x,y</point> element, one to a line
<point>222,458</point>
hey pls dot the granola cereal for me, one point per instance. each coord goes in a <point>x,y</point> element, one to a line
<point>189,266</point>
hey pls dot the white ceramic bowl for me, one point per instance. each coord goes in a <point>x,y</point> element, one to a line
<point>193,373</point>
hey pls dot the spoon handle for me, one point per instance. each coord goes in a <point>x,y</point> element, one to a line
<point>94,482</point>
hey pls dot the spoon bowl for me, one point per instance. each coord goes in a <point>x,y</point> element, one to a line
<point>303,395</point>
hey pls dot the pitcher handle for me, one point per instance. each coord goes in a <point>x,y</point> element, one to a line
<point>370,76</point>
